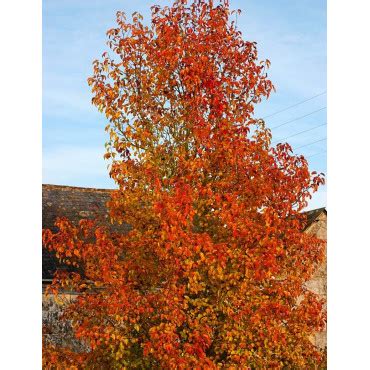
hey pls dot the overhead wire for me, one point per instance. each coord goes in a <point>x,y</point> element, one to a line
<point>313,155</point>
<point>314,142</point>
<point>298,118</point>
<point>294,105</point>
<point>299,133</point>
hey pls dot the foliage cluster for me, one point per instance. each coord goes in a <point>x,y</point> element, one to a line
<point>212,273</point>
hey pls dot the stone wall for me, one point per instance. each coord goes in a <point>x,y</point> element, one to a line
<point>318,283</point>
<point>56,331</point>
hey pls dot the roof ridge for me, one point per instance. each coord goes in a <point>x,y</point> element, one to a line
<point>67,187</point>
<point>321,209</point>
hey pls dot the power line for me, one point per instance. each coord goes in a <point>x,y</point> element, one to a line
<point>298,133</point>
<point>294,105</point>
<point>316,154</point>
<point>298,118</point>
<point>314,142</point>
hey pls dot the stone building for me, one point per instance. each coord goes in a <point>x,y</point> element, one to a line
<point>317,220</point>
<point>74,203</point>
<point>77,203</point>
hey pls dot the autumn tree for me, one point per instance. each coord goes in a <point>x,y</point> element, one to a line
<point>212,272</point>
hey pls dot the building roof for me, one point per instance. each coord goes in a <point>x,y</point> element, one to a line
<point>78,203</point>
<point>75,203</point>
<point>313,215</point>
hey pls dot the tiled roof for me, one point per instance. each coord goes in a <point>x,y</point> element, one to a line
<point>74,203</point>
<point>313,215</point>
<point>77,203</point>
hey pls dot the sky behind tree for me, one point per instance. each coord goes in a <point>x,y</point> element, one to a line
<point>291,34</point>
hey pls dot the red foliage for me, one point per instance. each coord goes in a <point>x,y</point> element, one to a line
<point>212,273</point>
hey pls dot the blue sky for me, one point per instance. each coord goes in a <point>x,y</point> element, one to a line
<point>291,34</point>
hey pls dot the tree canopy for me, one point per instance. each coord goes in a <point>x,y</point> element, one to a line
<point>212,273</point>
